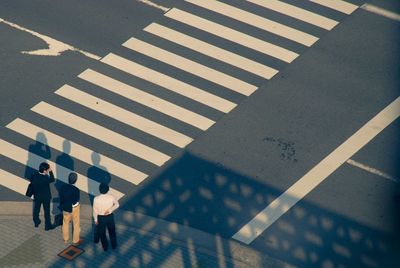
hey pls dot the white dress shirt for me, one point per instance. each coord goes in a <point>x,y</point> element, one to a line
<point>103,203</point>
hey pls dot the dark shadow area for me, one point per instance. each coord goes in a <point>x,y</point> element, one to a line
<point>97,173</point>
<point>66,161</point>
<point>39,148</point>
<point>206,196</point>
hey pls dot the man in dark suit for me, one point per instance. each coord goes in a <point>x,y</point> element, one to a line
<point>69,203</point>
<point>41,192</point>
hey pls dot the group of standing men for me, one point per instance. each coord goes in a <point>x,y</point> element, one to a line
<point>103,207</point>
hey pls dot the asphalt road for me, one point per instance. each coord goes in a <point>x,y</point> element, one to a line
<point>252,154</point>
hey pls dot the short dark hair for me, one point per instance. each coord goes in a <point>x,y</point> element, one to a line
<point>43,166</point>
<point>72,177</point>
<point>103,188</point>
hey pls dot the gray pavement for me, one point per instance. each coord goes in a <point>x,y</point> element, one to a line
<point>143,242</point>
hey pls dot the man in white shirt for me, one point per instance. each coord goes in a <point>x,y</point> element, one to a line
<point>103,208</point>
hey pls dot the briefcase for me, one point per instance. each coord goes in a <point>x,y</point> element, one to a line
<point>29,190</point>
<point>58,219</point>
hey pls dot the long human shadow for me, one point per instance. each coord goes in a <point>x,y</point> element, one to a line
<point>96,173</point>
<point>204,195</point>
<point>40,148</point>
<point>66,161</point>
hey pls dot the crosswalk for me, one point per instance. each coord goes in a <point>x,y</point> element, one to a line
<point>191,78</point>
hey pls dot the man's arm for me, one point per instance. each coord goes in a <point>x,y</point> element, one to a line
<point>95,210</point>
<point>114,207</point>
<point>76,196</point>
<point>51,176</point>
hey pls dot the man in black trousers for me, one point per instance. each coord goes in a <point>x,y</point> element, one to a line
<point>41,192</point>
<point>103,207</point>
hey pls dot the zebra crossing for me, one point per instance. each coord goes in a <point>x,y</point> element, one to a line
<point>209,92</point>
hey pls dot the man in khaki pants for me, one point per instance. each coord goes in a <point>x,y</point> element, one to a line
<point>69,203</point>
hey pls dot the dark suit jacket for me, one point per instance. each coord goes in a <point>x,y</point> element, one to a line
<point>69,195</point>
<point>41,185</point>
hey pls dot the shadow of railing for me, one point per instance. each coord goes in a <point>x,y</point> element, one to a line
<point>203,195</point>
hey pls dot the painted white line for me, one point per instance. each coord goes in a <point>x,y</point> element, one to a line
<point>101,133</point>
<point>190,66</point>
<point>12,182</point>
<point>61,173</point>
<point>147,99</point>
<point>77,151</point>
<point>149,3</point>
<point>372,170</point>
<point>55,47</point>
<point>338,5</point>
<point>382,12</point>
<point>257,21</point>
<point>124,116</point>
<point>319,173</point>
<point>297,13</point>
<point>169,83</point>
<point>232,35</point>
<point>211,51</point>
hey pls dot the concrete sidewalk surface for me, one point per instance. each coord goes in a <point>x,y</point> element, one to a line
<point>143,241</point>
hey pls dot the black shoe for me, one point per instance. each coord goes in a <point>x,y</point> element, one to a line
<point>37,223</point>
<point>48,228</point>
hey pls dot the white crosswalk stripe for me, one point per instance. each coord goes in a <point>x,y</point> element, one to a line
<point>297,13</point>
<point>12,182</point>
<point>232,35</point>
<point>169,83</point>
<point>190,66</point>
<point>101,133</point>
<point>211,51</point>
<point>124,116</point>
<point>257,21</point>
<point>77,151</point>
<point>147,99</point>
<point>338,5</point>
<point>25,157</point>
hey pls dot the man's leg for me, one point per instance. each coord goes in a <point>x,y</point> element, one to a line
<point>65,227</point>
<point>47,219</point>
<point>36,210</point>
<point>102,231</point>
<point>111,231</point>
<point>77,224</point>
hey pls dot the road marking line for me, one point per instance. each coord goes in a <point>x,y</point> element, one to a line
<point>147,99</point>
<point>190,66</point>
<point>147,2</point>
<point>319,173</point>
<point>297,13</point>
<point>380,11</point>
<point>101,133</point>
<point>257,21</point>
<point>124,116</point>
<point>169,83</point>
<point>77,151</point>
<point>372,170</point>
<point>61,173</point>
<point>211,51</point>
<point>338,5</point>
<point>232,35</point>
<point>12,182</point>
<point>55,47</point>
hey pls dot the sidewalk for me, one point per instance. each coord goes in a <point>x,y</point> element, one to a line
<point>143,241</point>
